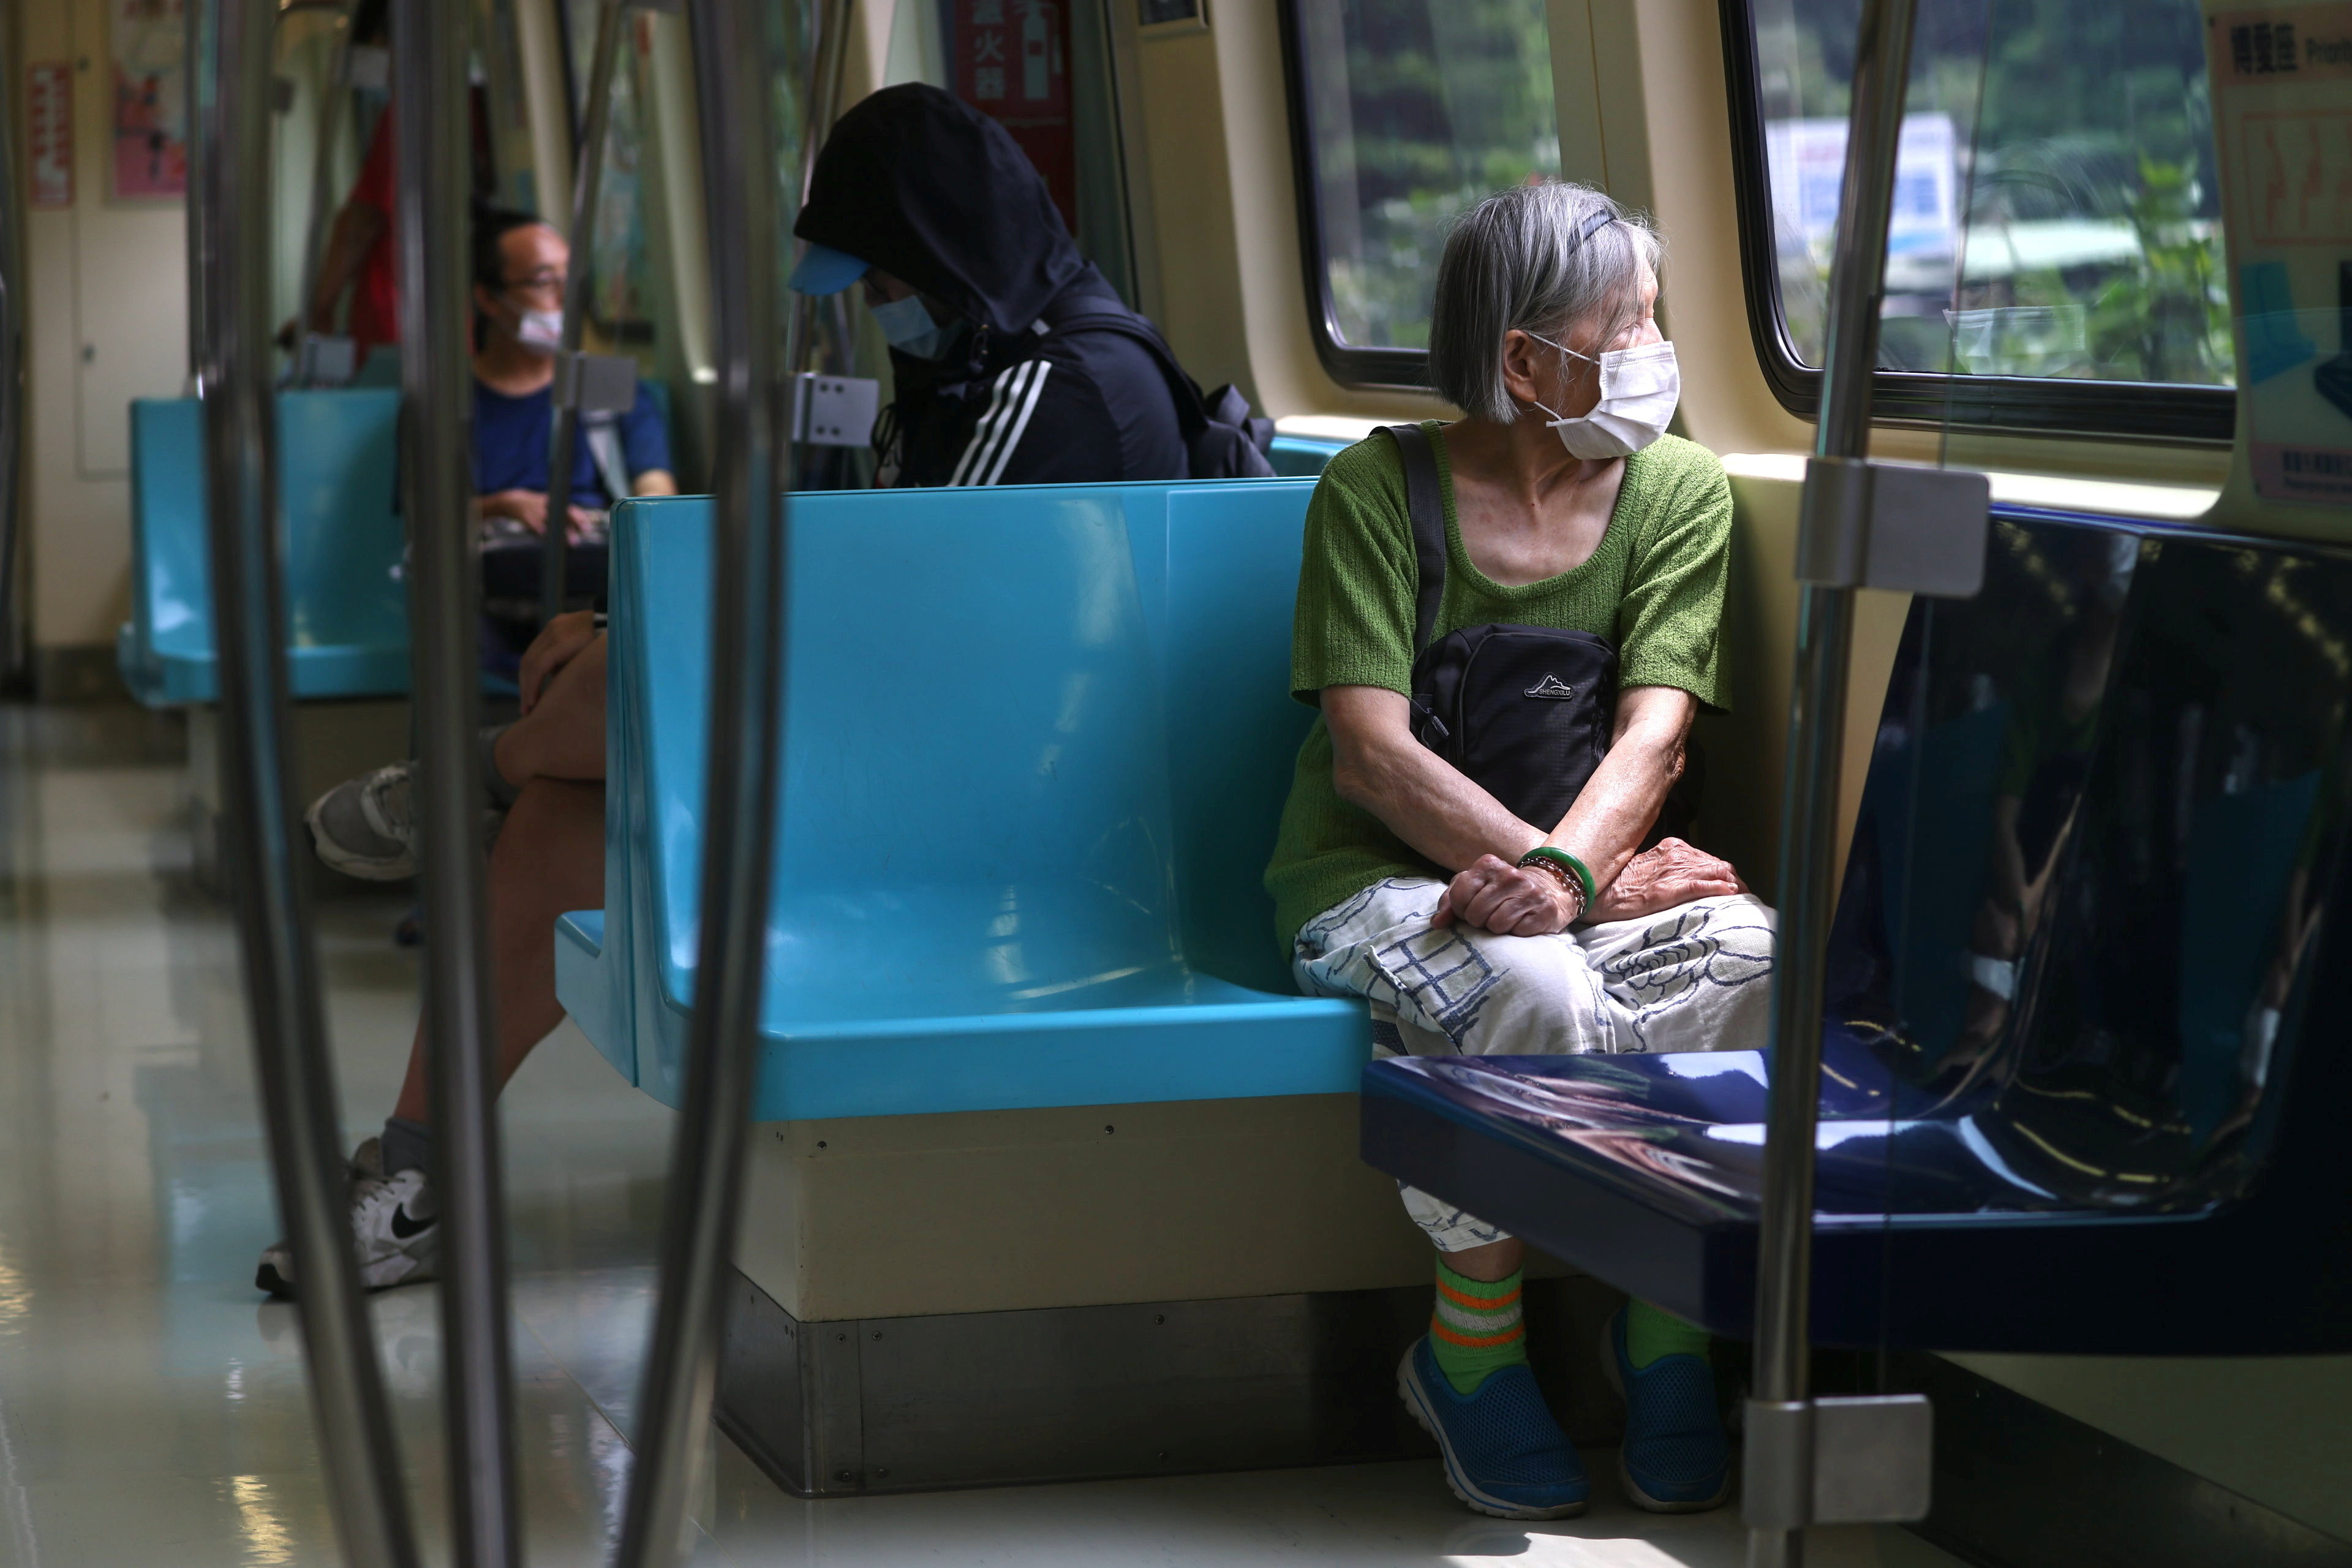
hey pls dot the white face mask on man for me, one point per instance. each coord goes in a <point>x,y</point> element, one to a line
<point>1639,389</point>
<point>541,329</point>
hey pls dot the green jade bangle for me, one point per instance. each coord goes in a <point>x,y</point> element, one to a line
<point>1567,862</point>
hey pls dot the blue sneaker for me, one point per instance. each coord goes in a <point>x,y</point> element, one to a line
<point>1675,1457</point>
<point>1505,1455</point>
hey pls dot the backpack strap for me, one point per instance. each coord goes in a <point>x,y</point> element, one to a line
<point>1192,409</point>
<point>1425,502</point>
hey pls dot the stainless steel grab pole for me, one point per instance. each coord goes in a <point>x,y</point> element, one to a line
<point>12,367</point>
<point>1809,813</point>
<point>430,40</point>
<point>289,1034</point>
<point>587,179</point>
<point>733,77</point>
<point>198,68</point>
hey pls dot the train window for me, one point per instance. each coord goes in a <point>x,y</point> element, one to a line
<point>2054,259</point>
<point>1406,111</point>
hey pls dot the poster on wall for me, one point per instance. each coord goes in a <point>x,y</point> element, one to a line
<point>48,99</point>
<point>148,39</point>
<point>2282,80</point>
<point>1012,63</point>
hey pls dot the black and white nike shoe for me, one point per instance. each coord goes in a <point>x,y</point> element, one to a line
<point>396,1229</point>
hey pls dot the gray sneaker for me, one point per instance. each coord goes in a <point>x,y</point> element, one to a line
<point>396,1229</point>
<point>366,827</point>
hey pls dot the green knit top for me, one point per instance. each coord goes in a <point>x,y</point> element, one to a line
<point>1653,587</point>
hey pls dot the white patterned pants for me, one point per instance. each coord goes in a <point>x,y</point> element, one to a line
<point>1692,978</point>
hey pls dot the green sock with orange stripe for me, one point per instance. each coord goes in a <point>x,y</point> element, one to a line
<point>1476,1330</point>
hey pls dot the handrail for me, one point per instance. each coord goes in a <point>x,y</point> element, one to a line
<point>430,43</point>
<point>1809,811</point>
<point>11,370</point>
<point>587,179</point>
<point>230,216</point>
<point>733,73</point>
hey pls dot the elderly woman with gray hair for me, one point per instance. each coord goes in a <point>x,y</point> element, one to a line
<point>1401,878</point>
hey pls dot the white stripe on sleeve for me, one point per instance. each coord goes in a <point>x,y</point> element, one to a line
<point>1019,418</point>
<point>991,427</point>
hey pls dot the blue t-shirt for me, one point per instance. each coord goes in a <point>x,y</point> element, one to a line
<point>511,438</point>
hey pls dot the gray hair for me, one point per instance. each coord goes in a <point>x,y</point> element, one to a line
<point>1514,261</point>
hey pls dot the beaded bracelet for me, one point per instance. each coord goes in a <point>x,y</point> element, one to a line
<point>1566,878</point>
<point>1545,855</point>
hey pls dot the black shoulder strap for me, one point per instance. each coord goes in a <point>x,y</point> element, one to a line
<point>1427,506</point>
<point>1192,409</point>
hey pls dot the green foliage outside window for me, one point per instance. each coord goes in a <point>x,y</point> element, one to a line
<point>1419,109</point>
<point>2090,245</point>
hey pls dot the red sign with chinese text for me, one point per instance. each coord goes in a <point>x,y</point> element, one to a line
<point>1012,63</point>
<point>48,103</point>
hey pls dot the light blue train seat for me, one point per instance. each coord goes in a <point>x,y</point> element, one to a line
<point>347,613</point>
<point>1037,742</point>
<point>1303,456</point>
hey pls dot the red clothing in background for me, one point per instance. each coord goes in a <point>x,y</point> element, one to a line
<point>375,295</point>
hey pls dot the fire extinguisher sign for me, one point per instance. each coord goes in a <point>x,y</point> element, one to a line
<point>1012,63</point>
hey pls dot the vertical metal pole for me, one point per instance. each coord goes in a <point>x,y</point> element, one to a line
<point>289,1032</point>
<point>333,109</point>
<point>587,179</point>
<point>12,363</point>
<point>1808,816</point>
<point>732,77</point>
<point>435,157</point>
<point>203,19</point>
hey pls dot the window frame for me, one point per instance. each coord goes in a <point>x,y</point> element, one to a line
<point>2165,412</point>
<point>1388,369</point>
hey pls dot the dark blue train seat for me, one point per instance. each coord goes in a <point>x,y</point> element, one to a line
<point>1037,741</point>
<point>2086,1061</point>
<point>347,611</point>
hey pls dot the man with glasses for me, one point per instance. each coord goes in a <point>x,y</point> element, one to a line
<point>519,268</point>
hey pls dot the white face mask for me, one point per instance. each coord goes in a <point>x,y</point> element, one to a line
<point>541,329</point>
<point>1639,389</point>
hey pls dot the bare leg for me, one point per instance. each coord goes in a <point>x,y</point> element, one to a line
<point>549,860</point>
<point>563,736</point>
<point>1495,1261</point>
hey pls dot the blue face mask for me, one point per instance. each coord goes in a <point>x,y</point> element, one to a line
<point>907,325</point>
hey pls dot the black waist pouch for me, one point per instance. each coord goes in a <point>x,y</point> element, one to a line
<point>1524,713</point>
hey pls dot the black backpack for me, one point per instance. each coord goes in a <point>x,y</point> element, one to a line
<point>1524,713</point>
<point>1223,438</point>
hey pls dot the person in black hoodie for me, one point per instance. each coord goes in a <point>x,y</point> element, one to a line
<point>1015,362</point>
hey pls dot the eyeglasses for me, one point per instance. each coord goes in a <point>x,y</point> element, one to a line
<point>546,281</point>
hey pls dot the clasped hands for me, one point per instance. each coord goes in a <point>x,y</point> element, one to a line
<point>1494,895</point>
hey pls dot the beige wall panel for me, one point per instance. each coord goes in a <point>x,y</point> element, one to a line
<point>1748,748</point>
<point>107,322</point>
<point>2271,1427</point>
<point>995,1211</point>
<point>1192,207</point>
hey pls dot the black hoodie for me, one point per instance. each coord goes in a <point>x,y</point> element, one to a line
<point>926,188</point>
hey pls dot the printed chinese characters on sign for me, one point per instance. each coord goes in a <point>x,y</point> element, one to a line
<point>1012,63</point>
<point>2283,120</point>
